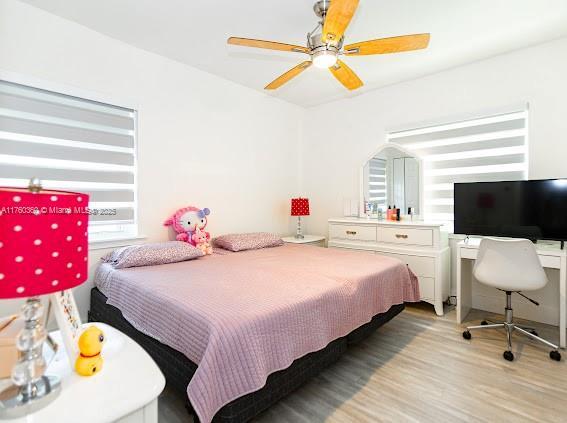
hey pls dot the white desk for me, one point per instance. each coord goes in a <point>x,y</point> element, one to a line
<point>550,256</point>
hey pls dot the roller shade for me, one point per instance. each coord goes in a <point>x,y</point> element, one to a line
<point>377,181</point>
<point>71,144</point>
<point>492,148</point>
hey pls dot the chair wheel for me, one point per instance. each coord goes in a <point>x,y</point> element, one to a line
<point>508,355</point>
<point>467,335</point>
<point>484,323</point>
<point>555,355</point>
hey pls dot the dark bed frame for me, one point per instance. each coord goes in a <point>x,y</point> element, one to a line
<point>179,370</point>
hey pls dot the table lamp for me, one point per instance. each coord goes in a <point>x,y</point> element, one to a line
<point>299,207</point>
<point>43,249</point>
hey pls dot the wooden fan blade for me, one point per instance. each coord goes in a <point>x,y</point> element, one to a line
<point>337,19</point>
<point>270,45</point>
<point>290,74</point>
<point>346,76</point>
<point>388,45</point>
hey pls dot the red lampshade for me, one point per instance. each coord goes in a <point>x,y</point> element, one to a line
<point>300,207</point>
<point>43,241</point>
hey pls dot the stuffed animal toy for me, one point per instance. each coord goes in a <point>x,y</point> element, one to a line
<point>186,221</point>
<point>202,242</point>
<point>89,361</point>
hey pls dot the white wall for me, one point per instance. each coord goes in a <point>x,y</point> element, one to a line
<point>207,141</point>
<point>202,140</point>
<point>338,137</point>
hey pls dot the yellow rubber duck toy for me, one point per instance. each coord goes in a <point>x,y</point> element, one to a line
<point>90,361</point>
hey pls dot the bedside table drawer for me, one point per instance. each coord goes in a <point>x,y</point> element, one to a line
<point>407,236</point>
<point>421,266</point>
<point>352,233</point>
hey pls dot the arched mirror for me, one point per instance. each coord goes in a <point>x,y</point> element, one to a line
<point>391,177</point>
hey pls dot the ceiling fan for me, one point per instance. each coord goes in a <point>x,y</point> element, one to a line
<point>325,44</point>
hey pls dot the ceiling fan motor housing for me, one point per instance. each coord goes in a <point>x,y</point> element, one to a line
<point>316,44</point>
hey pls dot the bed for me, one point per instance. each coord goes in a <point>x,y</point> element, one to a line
<point>237,332</point>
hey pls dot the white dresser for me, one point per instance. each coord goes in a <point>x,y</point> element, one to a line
<point>422,246</point>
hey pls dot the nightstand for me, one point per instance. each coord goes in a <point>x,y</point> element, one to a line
<point>316,240</point>
<point>125,390</point>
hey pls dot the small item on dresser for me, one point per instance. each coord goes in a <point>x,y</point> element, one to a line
<point>411,212</point>
<point>186,221</point>
<point>389,213</point>
<point>9,329</point>
<point>367,208</point>
<point>394,213</point>
<point>398,215</point>
<point>89,362</point>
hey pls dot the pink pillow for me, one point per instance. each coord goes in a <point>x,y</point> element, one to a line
<point>249,241</point>
<point>152,254</point>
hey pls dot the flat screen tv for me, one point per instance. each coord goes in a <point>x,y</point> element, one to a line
<point>516,209</point>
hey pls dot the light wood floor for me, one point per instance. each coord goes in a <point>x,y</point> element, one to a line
<point>418,368</point>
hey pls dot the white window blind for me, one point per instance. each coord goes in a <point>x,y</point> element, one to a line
<point>71,144</point>
<point>377,182</point>
<point>479,150</point>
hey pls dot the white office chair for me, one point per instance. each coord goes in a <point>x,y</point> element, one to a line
<point>510,266</point>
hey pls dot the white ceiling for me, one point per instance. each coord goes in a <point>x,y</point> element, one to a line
<point>195,32</point>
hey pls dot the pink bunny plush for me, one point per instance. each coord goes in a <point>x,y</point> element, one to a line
<point>202,242</point>
<point>187,221</point>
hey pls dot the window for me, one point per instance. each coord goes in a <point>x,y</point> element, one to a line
<point>377,187</point>
<point>480,150</point>
<point>72,144</point>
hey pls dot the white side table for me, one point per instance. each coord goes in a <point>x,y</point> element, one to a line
<point>316,240</point>
<point>125,390</point>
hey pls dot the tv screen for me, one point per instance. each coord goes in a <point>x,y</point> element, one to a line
<point>517,209</point>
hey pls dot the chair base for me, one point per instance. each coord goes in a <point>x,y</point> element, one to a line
<point>510,327</point>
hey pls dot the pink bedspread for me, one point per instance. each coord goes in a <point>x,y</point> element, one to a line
<point>243,316</point>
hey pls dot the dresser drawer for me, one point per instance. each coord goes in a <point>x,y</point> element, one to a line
<point>352,233</point>
<point>408,236</point>
<point>421,266</point>
<point>427,288</point>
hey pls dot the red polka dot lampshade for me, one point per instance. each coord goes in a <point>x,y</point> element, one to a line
<point>43,241</point>
<point>300,207</point>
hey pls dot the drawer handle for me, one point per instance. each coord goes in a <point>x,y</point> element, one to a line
<point>351,232</point>
<point>402,236</point>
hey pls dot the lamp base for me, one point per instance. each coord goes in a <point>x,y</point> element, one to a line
<point>16,402</point>
<point>299,234</point>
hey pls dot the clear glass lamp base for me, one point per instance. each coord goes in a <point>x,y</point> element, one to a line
<point>299,234</point>
<point>16,402</point>
<point>30,389</point>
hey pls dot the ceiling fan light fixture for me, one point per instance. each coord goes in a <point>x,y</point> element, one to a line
<point>324,59</point>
